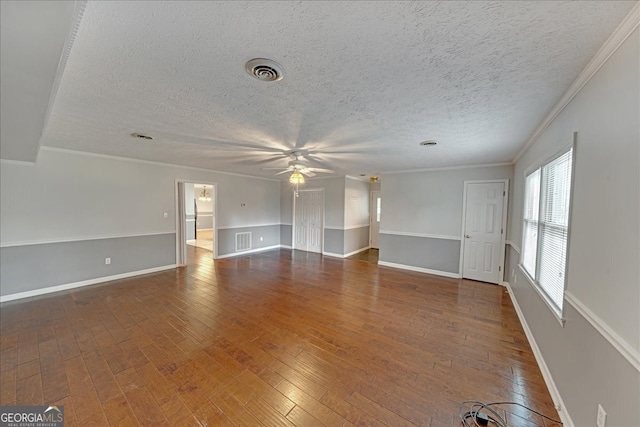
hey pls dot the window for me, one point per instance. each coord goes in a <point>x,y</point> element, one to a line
<point>546,227</point>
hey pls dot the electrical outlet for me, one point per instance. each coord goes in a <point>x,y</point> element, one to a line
<point>166,214</point>
<point>601,421</point>
<point>107,261</point>
<point>261,238</point>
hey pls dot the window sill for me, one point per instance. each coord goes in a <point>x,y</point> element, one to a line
<point>542,295</point>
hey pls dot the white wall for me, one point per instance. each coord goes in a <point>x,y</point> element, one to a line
<point>356,203</point>
<point>189,194</point>
<point>69,195</point>
<point>430,202</point>
<point>333,200</point>
<point>604,246</point>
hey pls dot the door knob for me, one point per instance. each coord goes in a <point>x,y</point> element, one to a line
<point>467,236</point>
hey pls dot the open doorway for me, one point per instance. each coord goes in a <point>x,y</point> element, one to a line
<point>196,218</point>
<point>199,215</point>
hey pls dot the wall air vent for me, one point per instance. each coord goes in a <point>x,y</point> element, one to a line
<point>243,241</point>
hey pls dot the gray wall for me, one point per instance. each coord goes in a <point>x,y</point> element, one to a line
<point>286,234</point>
<point>205,221</point>
<point>226,237</point>
<point>356,239</point>
<point>334,241</point>
<point>96,198</point>
<point>30,267</point>
<point>604,248</point>
<point>422,252</point>
<point>420,207</point>
<point>430,202</point>
<point>190,227</point>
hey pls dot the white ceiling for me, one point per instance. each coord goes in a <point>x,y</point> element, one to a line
<point>364,82</point>
<point>33,35</point>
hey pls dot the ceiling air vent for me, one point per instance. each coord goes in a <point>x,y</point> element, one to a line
<point>264,69</point>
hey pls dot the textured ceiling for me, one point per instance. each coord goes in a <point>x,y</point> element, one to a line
<point>364,82</point>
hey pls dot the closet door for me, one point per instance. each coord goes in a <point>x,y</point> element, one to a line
<point>308,220</point>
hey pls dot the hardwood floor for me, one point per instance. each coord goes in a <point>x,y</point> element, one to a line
<point>204,240</point>
<point>279,338</point>
<point>370,255</point>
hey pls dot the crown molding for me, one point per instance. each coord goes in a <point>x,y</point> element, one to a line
<point>621,33</point>
<point>446,168</point>
<point>150,162</point>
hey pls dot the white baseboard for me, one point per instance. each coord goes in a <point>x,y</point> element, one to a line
<point>419,269</point>
<point>252,251</point>
<point>357,251</point>
<point>546,374</point>
<point>331,254</point>
<point>58,288</point>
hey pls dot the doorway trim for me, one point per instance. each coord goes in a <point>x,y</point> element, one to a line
<point>181,218</point>
<point>293,225</point>
<point>503,238</point>
<point>373,208</point>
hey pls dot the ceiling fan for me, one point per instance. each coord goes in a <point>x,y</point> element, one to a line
<point>299,165</point>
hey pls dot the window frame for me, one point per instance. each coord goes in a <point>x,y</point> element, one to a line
<point>538,167</point>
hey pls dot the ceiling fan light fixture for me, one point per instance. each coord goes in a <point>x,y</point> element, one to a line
<point>264,69</point>
<point>296,178</point>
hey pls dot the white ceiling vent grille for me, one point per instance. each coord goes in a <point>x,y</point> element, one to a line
<point>243,241</point>
<point>264,69</point>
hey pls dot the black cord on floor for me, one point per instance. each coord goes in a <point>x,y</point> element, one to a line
<point>478,414</point>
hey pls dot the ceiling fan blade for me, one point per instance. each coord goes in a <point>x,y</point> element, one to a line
<point>284,171</point>
<point>320,170</point>
<point>216,143</point>
<point>276,169</point>
<point>307,172</point>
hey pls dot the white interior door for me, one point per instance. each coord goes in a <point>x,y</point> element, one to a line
<point>308,220</point>
<point>315,202</point>
<point>483,231</point>
<point>374,220</point>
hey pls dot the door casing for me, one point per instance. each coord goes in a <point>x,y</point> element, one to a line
<point>181,218</point>
<point>373,209</point>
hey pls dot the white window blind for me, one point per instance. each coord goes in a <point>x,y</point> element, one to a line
<point>546,226</point>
